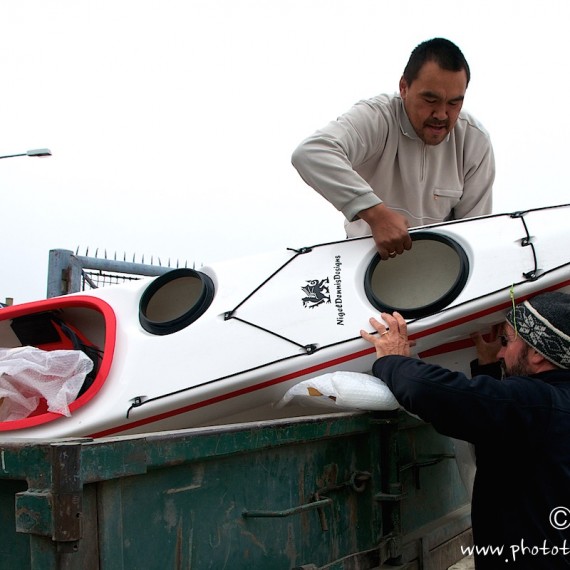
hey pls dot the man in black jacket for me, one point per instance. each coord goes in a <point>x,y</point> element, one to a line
<point>520,427</point>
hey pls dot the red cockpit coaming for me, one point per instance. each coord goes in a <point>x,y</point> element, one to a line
<point>58,303</point>
<point>447,347</point>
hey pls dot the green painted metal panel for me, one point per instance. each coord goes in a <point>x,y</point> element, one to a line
<point>14,547</point>
<point>340,491</point>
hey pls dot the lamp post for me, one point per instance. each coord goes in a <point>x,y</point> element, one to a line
<point>34,152</point>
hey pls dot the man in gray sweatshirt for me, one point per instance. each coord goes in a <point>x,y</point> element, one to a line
<point>408,159</point>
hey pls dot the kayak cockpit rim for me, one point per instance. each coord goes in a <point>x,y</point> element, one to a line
<point>425,280</point>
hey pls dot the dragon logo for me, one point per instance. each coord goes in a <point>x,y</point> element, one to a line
<point>316,293</point>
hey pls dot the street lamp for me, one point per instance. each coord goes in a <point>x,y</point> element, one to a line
<point>34,152</point>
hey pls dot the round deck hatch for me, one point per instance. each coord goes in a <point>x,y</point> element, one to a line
<point>420,282</point>
<point>175,300</point>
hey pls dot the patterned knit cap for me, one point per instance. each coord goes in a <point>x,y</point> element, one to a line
<point>543,322</point>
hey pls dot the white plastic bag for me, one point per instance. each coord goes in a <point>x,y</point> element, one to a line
<point>28,374</point>
<point>346,390</point>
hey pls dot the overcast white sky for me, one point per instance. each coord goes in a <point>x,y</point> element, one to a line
<point>172,123</point>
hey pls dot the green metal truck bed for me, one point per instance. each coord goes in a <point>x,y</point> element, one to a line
<point>340,491</point>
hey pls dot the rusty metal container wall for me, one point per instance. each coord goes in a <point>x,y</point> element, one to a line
<point>339,491</point>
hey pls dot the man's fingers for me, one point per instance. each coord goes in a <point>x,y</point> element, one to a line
<point>391,323</point>
<point>394,248</point>
<point>402,325</point>
<point>384,255</point>
<point>378,326</point>
<point>365,335</point>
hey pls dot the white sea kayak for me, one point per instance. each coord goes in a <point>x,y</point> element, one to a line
<point>225,343</point>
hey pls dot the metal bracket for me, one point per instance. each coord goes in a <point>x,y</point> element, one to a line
<point>391,497</point>
<point>57,512</point>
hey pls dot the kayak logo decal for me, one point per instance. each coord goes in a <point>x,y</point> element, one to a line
<point>338,287</point>
<point>316,293</point>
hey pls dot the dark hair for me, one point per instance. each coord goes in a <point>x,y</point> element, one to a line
<point>445,53</point>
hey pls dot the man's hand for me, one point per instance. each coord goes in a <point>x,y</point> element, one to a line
<point>392,338</point>
<point>389,230</point>
<point>488,348</point>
